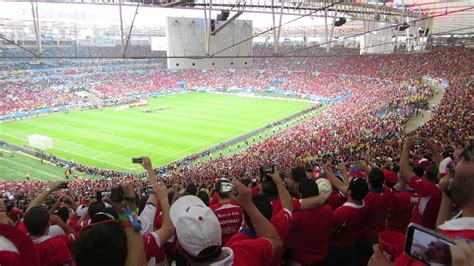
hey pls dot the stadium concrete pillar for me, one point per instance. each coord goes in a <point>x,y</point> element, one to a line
<point>328,47</point>
<point>36,23</point>
<point>275,40</point>
<point>326,30</point>
<point>279,23</point>
<point>209,30</point>
<point>121,27</point>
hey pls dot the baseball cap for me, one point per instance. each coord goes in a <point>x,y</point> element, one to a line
<point>324,185</point>
<point>197,227</point>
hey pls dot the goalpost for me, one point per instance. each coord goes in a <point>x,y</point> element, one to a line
<point>40,141</point>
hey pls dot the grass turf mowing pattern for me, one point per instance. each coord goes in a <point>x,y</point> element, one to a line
<point>189,123</point>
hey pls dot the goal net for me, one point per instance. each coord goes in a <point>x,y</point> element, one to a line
<point>40,141</point>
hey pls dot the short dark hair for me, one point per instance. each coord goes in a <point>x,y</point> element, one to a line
<point>36,220</point>
<point>204,197</point>
<point>431,173</point>
<point>100,216</point>
<point>263,205</point>
<point>270,189</point>
<point>376,178</point>
<point>102,244</point>
<point>359,188</point>
<point>308,188</point>
<point>298,173</point>
<point>95,207</point>
<point>191,189</point>
<point>63,213</point>
<point>418,170</point>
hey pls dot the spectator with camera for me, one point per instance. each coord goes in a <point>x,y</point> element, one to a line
<point>281,220</point>
<point>228,212</point>
<point>94,247</point>
<point>51,250</point>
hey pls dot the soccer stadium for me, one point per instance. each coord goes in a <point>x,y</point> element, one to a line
<point>230,132</point>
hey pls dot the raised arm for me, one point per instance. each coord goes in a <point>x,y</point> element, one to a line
<point>283,193</point>
<point>149,169</point>
<point>314,202</point>
<point>405,168</point>
<point>66,228</point>
<point>263,227</point>
<point>338,184</point>
<point>167,228</point>
<point>434,151</point>
<point>53,186</point>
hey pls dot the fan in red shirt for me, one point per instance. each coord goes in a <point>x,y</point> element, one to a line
<point>349,219</point>
<point>282,220</point>
<point>51,250</point>
<point>426,210</point>
<point>228,213</point>
<point>402,208</point>
<point>458,191</point>
<point>378,201</point>
<point>199,234</point>
<point>309,236</point>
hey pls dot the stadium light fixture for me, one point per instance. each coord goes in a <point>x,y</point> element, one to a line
<point>339,22</point>
<point>403,27</point>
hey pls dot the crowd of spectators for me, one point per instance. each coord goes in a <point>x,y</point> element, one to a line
<point>340,179</point>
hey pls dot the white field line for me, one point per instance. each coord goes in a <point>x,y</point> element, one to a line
<point>120,149</point>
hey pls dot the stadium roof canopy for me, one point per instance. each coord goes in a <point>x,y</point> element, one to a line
<point>296,19</point>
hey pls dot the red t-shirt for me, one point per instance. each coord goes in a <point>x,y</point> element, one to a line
<point>255,190</point>
<point>252,252</point>
<point>282,222</point>
<point>53,250</point>
<point>349,220</point>
<point>214,199</point>
<point>276,205</point>
<point>74,223</point>
<point>378,201</point>
<point>230,217</point>
<point>336,200</point>
<point>457,228</point>
<point>153,248</point>
<point>310,234</point>
<point>401,210</point>
<point>426,211</point>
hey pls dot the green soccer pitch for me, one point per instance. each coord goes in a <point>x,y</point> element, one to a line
<point>187,123</point>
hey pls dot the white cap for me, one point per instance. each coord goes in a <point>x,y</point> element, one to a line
<point>324,185</point>
<point>82,210</point>
<point>443,165</point>
<point>197,227</point>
